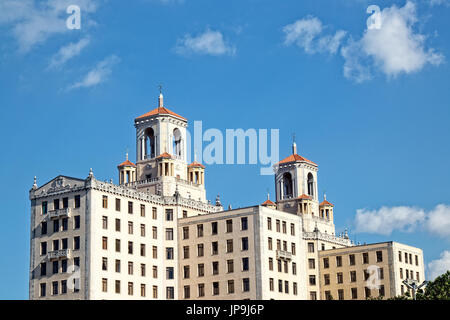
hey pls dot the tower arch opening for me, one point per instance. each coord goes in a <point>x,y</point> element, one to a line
<point>149,143</point>
<point>310,185</point>
<point>176,143</point>
<point>287,185</point>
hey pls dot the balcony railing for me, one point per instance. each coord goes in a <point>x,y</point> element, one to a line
<point>58,254</point>
<point>284,255</point>
<point>59,213</point>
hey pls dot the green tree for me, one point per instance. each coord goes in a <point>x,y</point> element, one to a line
<point>438,289</point>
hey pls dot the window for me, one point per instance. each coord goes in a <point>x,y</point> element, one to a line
<point>244,243</point>
<point>271,285</point>
<point>65,203</point>
<point>142,210</point>
<point>312,263</point>
<point>43,227</point>
<point>130,288</point>
<point>245,265</point>
<point>366,275</point>
<point>169,253</point>
<point>326,263</point>
<point>142,251</point>
<point>104,285</point>
<point>142,230</point>
<point>365,257</point>
<point>201,289</point>
<point>214,248</point>
<point>63,286</point>
<point>312,280</point>
<point>155,272</point>
<point>229,245</point>
<point>201,269</point>
<point>130,207</point>
<point>200,250</point>
<point>270,243</point>
<point>410,258</point>
<point>213,227</point>
<point>185,214</point>
<point>56,226</point>
<point>65,224</point>
<point>367,292</point>
<point>104,243</point>
<point>76,261</point>
<point>351,259</point>
<point>77,201</point>
<point>169,273</point>
<point>44,207</point>
<point>338,261</point>
<point>187,292</point>
<point>400,256</point>
<point>269,223</point>
<point>352,276</point>
<point>185,232</point>
<point>280,285</point>
<point>105,264</point>
<point>117,204</point>
<point>169,234</point>
<point>310,247</point>
<point>230,286</point>
<point>284,227</point>
<point>43,269</point>
<point>381,292</point>
<point>215,267</point>
<point>284,245</point>
<point>154,213</point>
<point>326,279</point>
<point>169,214</point>
<point>130,227</point>
<point>341,294</point>
<point>117,266</point>
<point>105,222</point>
<point>76,243</point>
<point>313,295</point>
<point>246,284</point>
<point>186,272</point>
<point>277,223</point>
<point>417,260</point>
<point>142,270</point>
<point>56,204</point>
<point>379,256</point>
<point>354,293</point>
<point>380,273</point>
<point>230,266</point>
<point>155,232</point>
<point>55,245</point>
<point>278,244</point>
<point>186,252</point>
<point>244,223</point>
<point>271,264</point>
<point>293,251</point>
<point>406,257</point>
<point>295,288</point>
<point>117,286</point>
<point>339,277</point>
<point>130,268</point>
<point>285,266</point>
<point>42,290</point>
<point>294,268</point>
<point>155,292</point>
<point>118,225</point>
<point>200,230</point>
<point>401,273</point>
<point>154,252</point>
<point>328,295</point>
<point>130,247</point>
<point>76,222</point>
<point>229,224</point>
<point>142,290</point>
<point>215,288</point>
<point>105,202</point>
<point>117,245</point>
<point>43,248</point>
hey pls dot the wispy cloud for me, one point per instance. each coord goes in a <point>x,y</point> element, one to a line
<point>209,42</point>
<point>308,34</point>
<point>33,22</point>
<point>439,266</point>
<point>403,218</point>
<point>98,74</point>
<point>68,52</point>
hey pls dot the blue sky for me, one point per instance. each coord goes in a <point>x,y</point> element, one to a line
<point>370,106</point>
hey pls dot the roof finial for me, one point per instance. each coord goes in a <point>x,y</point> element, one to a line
<point>294,145</point>
<point>34,183</point>
<point>160,99</point>
<point>126,156</point>
<point>324,196</point>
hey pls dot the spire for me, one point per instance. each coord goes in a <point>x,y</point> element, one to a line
<point>126,156</point>
<point>324,196</point>
<point>34,183</point>
<point>294,145</point>
<point>161,98</point>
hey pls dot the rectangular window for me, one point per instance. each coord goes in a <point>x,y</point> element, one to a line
<point>339,277</point>
<point>326,263</point>
<point>229,245</point>
<point>214,248</point>
<point>43,248</point>
<point>155,292</point>
<point>295,288</point>
<point>44,207</point>
<point>201,269</point>
<point>277,223</point>
<point>105,202</point>
<point>142,210</point>
<point>213,228</point>
<point>270,244</point>
<point>312,263</point>
<point>63,286</point>
<point>117,266</point>
<point>351,259</point>
<point>130,267</point>
<point>43,269</point>
<point>354,293</point>
<point>341,294</point>
<point>155,252</point>
<point>77,201</point>
<point>43,227</point>
<point>215,288</point>
<point>294,268</point>
<point>381,292</point>
<point>352,276</point>
<point>244,243</point>
<point>417,260</point>
<point>142,251</point>
<point>271,285</point>
<point>244,223</point>
<point>76,222</point>
<point>292,229</point>
<point>200,230</point>
<point>271,264</point>
<point>169,273</point>
<point>65,224</point>
<point>56,226</point>
<point>400,256</point>
<point>169,214</point>
<point>142,270</point>
<point>230,285</point>
<point>269,223</point>
<point>118,225</point>
<point>105,222</point>
<point>55,267</point>
<point>65,203</point>
<point>130,207</point>
<point>142,290</point>
<point>379,256</point>
<point>154,213</point>
<point>155,272</point>
<point>76,243</point>
<point>229,224</point>
<point>117,204</point>
<point>56,204</point>
<point>169,234</point>
<point>130,247</point>
<point>185,214</point>
<point>230,266</point>
<point>284,227</point>
<point>117,286</point>
<point>365,258</point>
<point>185,252</point>
<point>105,264</point>
<point>104,285</point>
<point>246,284</point>
<point>142,230</point>
<point>200,250</point>
<point>215,267</point>
<point>155,232</point>
<point>185,233</point>
<point>201,289</point>
<point>338,261</point>
<point>104,243</point>
<point>187,292</point>
<point>170,293</point>
<point>117,245</point>
<point>245,264</point>
<point>326,279</point>
<point>130,227</point>
<point>42,292</point>
<point>310,247</point>
<point>186,272</point>
<point>312,280</point>
<point>169,253</point>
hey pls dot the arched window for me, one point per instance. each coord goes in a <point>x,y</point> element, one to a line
<point>149,143</point>
<point>310,184</point>
<point>287,185</point>
<point>177,142</point>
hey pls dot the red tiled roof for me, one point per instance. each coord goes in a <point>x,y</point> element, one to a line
<point>326,203</point>
<point>196,164</point>
<point>304,196</point>
<point>126,163</point>
<point>160,110</point>
<point>268,202</point>
<point>295,158</point>
<point>164,155</point>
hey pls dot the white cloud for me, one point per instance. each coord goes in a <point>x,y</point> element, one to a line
<point>98,74</point>
<point>33,22</point>
<point>385,220</point>
<point>393,49</point>
<point>439,266</point>
<point>209,42</point>
<point>439,2</point>
<point>438,221</point>
<point>307,34</point>
<point>68,52</point>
